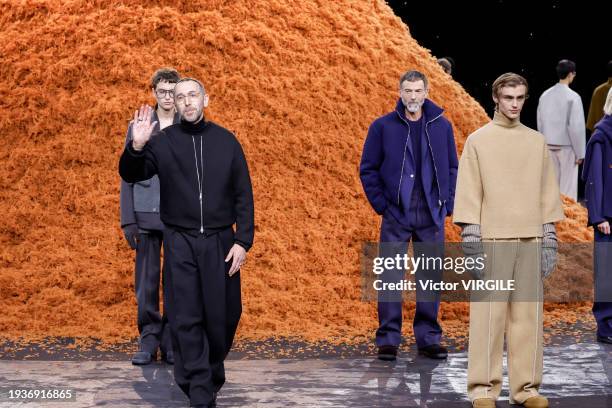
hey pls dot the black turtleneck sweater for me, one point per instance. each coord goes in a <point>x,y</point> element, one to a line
<point>226,186</point>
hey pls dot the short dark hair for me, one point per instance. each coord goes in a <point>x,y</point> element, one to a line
<point>413,76</point>
<point>610,69</point>
<point>508,79</point>
<point>164,75</point>
<point>565,67</point>
<point>446,65</point>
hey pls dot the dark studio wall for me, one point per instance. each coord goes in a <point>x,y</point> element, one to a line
<point>486,39</point>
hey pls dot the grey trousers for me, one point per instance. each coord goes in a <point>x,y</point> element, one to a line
<point>564,159</point>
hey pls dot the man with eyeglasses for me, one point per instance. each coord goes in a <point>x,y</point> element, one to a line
<point>143,228</point>
<point>205,190</point>
<point>408,171</point>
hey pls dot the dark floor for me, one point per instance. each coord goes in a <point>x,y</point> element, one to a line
<point>291,373</point>
<point>576,375</point>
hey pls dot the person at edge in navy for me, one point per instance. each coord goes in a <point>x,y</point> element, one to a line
<point>597,174</point>
<point>408,171</point>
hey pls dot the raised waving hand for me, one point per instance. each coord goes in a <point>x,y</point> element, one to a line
<point>142,128</point>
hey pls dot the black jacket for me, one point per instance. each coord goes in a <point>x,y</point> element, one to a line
<point>227,192</point>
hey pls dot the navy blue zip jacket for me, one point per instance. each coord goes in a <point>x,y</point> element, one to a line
<point>597,172</point>
<point>388,148</point>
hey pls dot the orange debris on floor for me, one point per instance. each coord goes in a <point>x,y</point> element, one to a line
<point>298,82</point>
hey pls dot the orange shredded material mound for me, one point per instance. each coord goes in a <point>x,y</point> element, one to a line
<point>298,82</point>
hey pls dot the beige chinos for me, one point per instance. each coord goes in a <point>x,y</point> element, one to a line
<point>518,313</point>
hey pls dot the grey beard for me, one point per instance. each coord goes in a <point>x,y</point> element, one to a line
<point>413,107</point>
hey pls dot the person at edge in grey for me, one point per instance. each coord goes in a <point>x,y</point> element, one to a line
<point>560,118</point>
<point>143,229</point>
<point>205,189</point>
<point>408,172</point>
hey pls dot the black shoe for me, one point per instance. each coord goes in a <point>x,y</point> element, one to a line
<point>604,339</point>
<point>434,351</point>
<point>143,358</point>
<point>387,353</point>
<point>212,404</point>
<point>168,357</point>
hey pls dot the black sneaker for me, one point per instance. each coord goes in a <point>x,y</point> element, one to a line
<point>434,351</point>
<point>213,403</point>
<point>387,353</point>
<point>143,358</point>
<point>604,339</point>
<point>168,357</point>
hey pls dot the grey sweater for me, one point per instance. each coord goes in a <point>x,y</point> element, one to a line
<point>140,201</point>
<point>561,118</point>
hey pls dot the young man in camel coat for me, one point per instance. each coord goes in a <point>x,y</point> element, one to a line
<point>507,200</point>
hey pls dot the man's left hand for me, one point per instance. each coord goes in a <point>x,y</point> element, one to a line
<point>237,255</point>
<point>604,228</point>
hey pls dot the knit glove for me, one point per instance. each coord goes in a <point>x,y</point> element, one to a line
<point>549,250</point>
<point>471,243</point>
<point>131,234</point>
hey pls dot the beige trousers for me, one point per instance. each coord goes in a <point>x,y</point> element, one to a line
<point>564,159</point>
<point>520,320</point>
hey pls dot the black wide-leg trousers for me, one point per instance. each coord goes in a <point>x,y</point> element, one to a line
<point>204,308</point>
<point>152,326</point>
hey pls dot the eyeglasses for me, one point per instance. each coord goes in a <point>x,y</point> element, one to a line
<point>180,98</point>
<point>161,93</point>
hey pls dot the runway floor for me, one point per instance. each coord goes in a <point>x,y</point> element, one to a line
<point>575,376</point>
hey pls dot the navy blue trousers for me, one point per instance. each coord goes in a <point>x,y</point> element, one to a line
<point>602,268</point>
<point>427,240</point>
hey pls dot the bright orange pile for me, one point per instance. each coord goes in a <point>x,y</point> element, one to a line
<point>299,83</point>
